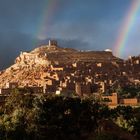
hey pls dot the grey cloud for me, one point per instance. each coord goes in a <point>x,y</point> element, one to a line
<point>10,46</point>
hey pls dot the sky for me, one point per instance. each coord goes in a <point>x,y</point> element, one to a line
<point>79,24</point>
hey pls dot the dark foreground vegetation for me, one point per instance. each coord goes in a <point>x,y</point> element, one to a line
<point>28,117</point>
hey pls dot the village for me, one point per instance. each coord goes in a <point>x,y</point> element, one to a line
<point>101,78</point>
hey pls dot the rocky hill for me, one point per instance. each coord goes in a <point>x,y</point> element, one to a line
<point>32,68</point>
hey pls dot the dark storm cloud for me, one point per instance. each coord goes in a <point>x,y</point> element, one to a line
<point>17,28</point>
<point>11,43</point>
<point>74,43</point>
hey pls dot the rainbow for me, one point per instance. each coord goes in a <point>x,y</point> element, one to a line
<point>50,7</point>
<point>120,44</point>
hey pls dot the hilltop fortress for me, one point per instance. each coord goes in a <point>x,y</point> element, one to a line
<point>53,54</point>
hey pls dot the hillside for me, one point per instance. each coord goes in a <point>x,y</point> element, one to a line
<point>32,68</point>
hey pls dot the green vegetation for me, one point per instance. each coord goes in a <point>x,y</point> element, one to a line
<point>130,91</point>
<point>42,117</point>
